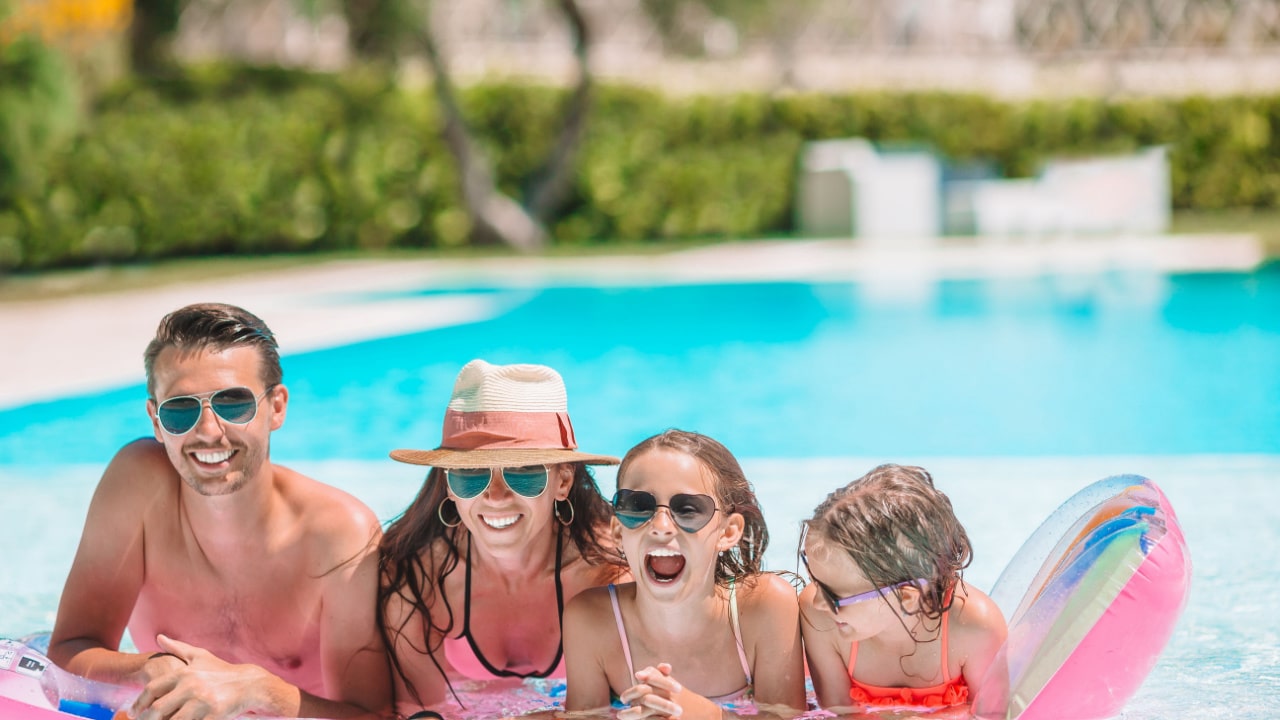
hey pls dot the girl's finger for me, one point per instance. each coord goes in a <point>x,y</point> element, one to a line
<point>662,705</point>
<point>637,712</point>
<point>632,713</point>
<point>633,693</point>
<point>658,679</point>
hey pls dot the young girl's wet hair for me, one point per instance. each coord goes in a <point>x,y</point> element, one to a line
<point>896,527</point>
<point>733,494</point>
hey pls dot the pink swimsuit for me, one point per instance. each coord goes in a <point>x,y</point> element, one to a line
<point>744,693</point>
<point>465,657</point>
<point>945,694</point>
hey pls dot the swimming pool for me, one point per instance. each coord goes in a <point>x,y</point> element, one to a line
<point>1015,391</point>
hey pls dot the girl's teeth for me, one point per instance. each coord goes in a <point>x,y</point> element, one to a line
<point>499,523</point>
<point>664,552</point>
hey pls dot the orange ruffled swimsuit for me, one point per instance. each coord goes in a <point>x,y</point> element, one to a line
<point>945,694</point>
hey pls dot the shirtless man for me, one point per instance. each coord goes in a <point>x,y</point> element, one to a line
<point>246,587</point>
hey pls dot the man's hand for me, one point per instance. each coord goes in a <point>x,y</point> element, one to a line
<point>156,667</point>
<point>199,686</point>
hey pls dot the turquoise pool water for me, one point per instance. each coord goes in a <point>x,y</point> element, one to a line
<point>1016,392</point>
<point>1060,365</point>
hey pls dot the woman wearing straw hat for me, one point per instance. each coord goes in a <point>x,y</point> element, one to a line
<point>507,527</point>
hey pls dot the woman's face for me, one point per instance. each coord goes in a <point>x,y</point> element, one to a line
<point>667,560</point>
<point>502,521</point>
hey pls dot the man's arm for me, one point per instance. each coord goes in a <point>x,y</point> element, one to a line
<point>208,687</point>
<point>108,571</point>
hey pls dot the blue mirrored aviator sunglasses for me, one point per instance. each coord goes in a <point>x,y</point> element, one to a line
<point>690,513</point>
<point>237,405</point>
<point>526,481</point>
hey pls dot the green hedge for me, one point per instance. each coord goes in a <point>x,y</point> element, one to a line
<point>242,160</point>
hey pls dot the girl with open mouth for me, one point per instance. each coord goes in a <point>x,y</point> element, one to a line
<point>701,628</point>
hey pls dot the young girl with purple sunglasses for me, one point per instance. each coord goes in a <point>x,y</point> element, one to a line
<point>887,619</point>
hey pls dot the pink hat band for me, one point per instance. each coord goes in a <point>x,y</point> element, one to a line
<point>499,429</point>
<point>505,416</point>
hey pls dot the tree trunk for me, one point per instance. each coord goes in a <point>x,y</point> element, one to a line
<point>553,184</point>
<point>495,217</point>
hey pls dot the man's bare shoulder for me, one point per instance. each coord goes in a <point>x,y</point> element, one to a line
<point>140,468</point>
<point>333,520</point>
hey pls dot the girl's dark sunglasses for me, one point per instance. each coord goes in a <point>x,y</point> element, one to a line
<point>690,513</point>
<point>237,405</point>
<point>527,481</point>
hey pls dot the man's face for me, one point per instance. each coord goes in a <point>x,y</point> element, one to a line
<point>216,456</point>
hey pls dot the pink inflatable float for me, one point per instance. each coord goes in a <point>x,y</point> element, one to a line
<point>1091,599</point>
<point>33,688</point>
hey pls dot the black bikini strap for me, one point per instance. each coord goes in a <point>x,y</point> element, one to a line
<point>559,587</point>
<point>559,610</point>
<point>466,598</point>
<point>466,620</point>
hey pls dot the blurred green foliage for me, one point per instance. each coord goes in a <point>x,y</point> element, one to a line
<point>38,117</point>
<point>218,160</point>
<point>38,111</point>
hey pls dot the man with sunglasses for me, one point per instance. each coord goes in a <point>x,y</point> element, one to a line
<point>246,587</point>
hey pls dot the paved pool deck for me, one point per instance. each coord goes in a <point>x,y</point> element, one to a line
<point>68,345</point>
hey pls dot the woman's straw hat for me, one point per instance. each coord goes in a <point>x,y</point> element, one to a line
<point>505,416</point>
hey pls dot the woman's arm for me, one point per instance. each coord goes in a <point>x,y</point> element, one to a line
<point>406,626</point>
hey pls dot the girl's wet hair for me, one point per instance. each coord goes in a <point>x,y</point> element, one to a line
<point>896,526</point>
<point>733,494</point>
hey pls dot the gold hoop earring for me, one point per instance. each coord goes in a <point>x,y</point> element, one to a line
<point>559,516</point>
<point>440,513</point>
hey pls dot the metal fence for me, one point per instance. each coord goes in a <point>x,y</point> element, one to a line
<point>953,44</point>
<point>1033,26</point>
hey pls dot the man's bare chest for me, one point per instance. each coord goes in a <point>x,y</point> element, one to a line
<point>267,613</point>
